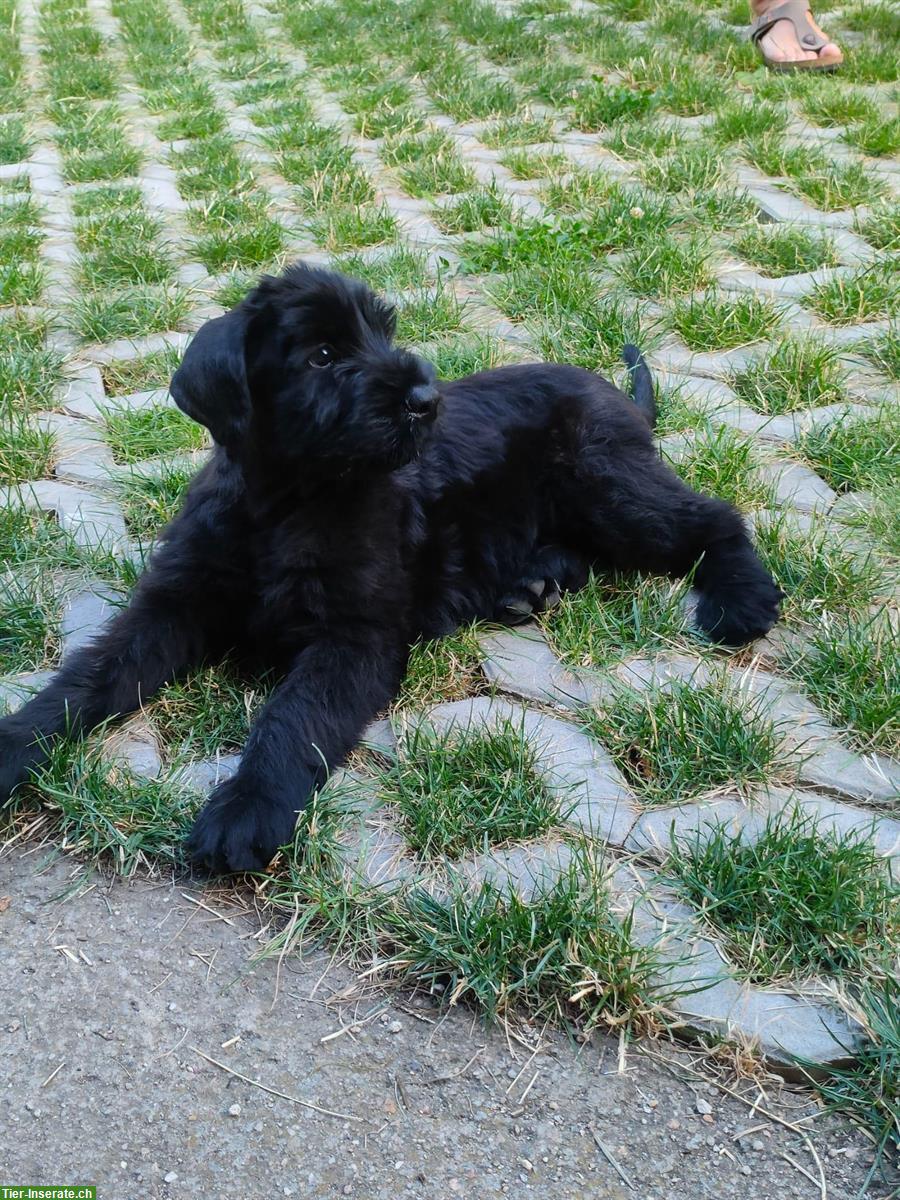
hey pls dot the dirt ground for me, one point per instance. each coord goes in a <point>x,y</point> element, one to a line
<point>106,998</point>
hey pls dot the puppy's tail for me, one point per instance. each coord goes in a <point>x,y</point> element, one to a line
<point>641,382</point>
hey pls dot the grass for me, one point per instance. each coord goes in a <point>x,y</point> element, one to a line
<point>26,451</point>
<point>691,167</point>
<point>667,266</point>
<point>105,813</point>
<point>137,434</point>
<point>15,145</point>
<point>353,228</point>
<point>884,351</point>
<point>716,322</point>
<point>29,622</point>
<point>881,226</point>
<point>797,901</point>
<point>785,250</point>
<point>474,211</point>
<point>877,137</point>
<point>28,371</point>
<point>834,187</point>
<point>456,357</point>
<point>796,373</point>
<point>560,956</point>
<point>154,370</point>
<point>723,463</point>
<point>850,667</point>
<point>149,501</point>
<point>206,713</point>
<point>428,165</point>
<point>865,296</point>
<point>430,314</point>
<point>458,793</point>
<point>446,669</point>
<point>816,572</point>
<point>130,312</point>
<point>614,616</point>
<point>857,453</point>
<point>391,272</point>
<point>593,338</point>
<point>684,741</point>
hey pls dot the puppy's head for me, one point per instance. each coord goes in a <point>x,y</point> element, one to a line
<point>304,371</point>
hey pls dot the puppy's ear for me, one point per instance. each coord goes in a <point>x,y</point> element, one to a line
<point>211,383</point>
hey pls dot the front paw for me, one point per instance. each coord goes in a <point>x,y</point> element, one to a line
<point>736,616</point>
<point>239,830</point>
<point>16,756</point>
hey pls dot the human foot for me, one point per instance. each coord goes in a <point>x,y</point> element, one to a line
<point>788,38</point>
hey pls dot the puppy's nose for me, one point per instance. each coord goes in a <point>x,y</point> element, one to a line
<point>422,401</point>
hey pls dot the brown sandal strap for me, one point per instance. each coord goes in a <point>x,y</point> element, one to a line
<point>795,11</point>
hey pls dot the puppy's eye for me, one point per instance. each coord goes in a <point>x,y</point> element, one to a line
<point>323,356</point>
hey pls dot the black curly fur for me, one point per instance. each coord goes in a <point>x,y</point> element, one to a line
<point>352,505</point>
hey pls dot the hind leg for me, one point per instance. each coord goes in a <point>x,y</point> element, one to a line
<point>551,572</point>
<point>636,514</point>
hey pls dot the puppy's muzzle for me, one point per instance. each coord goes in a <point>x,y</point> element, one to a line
<point>422,402</point>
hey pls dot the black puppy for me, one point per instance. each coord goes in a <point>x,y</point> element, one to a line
<point>351,505</point>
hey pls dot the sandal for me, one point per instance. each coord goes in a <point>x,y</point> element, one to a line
<point>797,12</point>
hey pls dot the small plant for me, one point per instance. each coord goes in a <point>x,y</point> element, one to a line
<point>850,667</point>
<point>723,463</point>
<point>856,453</point>
<point>798,373</point>
<point>614,616</point>
<point>466,791</point>
<point>446,669</point>
<point>713,322</point>
<point>795,901</point>
<point>26,449</point>
<point>870,293</point>
<point>786,250</point>
<point>676,743</point>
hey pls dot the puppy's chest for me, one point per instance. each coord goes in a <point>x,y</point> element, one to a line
<point>304,582</point>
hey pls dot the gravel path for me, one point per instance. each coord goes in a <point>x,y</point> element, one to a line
<point>106,995</point>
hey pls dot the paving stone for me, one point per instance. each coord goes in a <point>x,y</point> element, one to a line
<point>16,690</point>
<point>590,790</point>
<point>700,988</point>
<point>85,614</point>
<point>134,746</point>
<point>204,774</point>
<point>520,661</point>
<point>656,828</point>
<point>868,777</point>
<point>833,816</point>
<point>797,485</point>
<point>95,522</point>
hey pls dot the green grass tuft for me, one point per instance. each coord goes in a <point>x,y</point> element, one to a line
<point>463,792</point>
<point>795,374</point>
<point>717,322</point>
<point>795,902</point>
<point>676,743</point>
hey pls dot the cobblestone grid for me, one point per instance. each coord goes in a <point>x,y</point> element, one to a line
<point>837,779</point>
